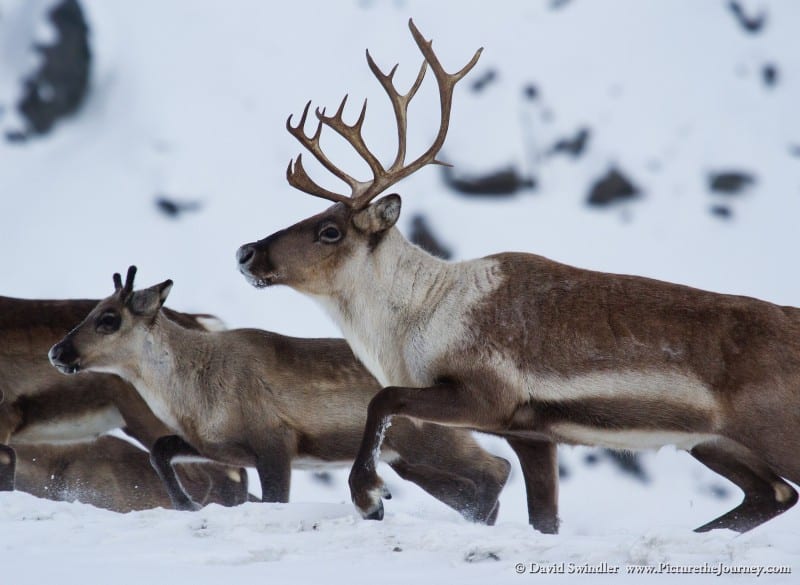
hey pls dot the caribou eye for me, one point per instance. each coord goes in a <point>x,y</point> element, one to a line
<point>108,322</point>
<point>330,234</point>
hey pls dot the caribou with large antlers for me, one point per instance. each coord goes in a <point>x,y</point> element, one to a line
<point>537,352</point>
<point>255,398</point>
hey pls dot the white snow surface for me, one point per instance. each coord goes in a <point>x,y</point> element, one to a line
<point>189,99</point>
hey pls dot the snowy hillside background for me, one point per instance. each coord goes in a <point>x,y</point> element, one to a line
<point>187,102</point>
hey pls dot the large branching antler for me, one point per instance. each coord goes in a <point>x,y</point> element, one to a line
<point>362,192</point>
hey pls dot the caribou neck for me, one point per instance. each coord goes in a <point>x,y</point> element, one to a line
<point>160,375</point>
<point>380,321</point>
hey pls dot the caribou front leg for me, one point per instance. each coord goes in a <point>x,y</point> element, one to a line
<point>446,403</point>
<point>164,450</point>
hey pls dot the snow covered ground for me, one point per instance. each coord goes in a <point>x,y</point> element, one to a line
<point>189,101</point>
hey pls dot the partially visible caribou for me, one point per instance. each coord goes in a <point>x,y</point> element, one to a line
<point>255,398</point>
<point>111,473</point>
<point>38,405</point>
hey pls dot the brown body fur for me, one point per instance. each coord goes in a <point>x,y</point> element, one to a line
<point>746,351</point>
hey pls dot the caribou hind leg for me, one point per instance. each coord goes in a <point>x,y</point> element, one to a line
<point>8,466</point>
<point>766,495</point>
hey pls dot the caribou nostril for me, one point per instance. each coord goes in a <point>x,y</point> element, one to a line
<point>55,353</point>
<point>245,254</point>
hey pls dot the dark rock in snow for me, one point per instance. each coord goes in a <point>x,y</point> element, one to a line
<point>60,85</point>
<point>769,75</point>
<point>730,182</point>
<point>612,188</point>
<point>16,136</point>
<point>422,235</point>
<point>718,491</point>
<point>530,91</point>
<point>558,4</point>
<point>484,80</point>
<point>174,209</point>
<point>323,477</point>
<point>503,183</point>
<point>794,150</point>
<point>721,211</point>
<point>750,24</point>
<point>574,146</point>
<point>628,463</point>
<point>563,471</point>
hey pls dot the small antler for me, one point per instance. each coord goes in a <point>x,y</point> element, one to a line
<point>128,288</point>
<point>362,192</point>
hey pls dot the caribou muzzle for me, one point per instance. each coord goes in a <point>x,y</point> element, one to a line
<point>64,357</point>
<point>255,265</point>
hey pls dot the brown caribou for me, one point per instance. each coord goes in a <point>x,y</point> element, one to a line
<point>255,398</point>
<point>40,406</point>
<point>111,473</point>
<point>532,350</point>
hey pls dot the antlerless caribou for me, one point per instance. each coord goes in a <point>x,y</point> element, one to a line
<point>255,398</point>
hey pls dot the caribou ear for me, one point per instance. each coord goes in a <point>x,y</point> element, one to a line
<point>379,216</point>
<point>150,300</point>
